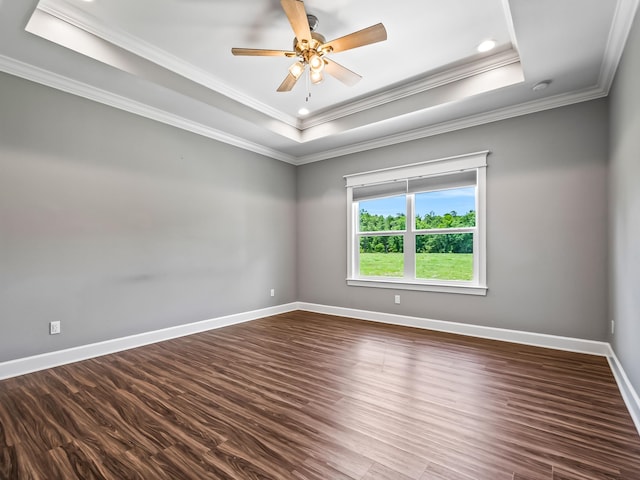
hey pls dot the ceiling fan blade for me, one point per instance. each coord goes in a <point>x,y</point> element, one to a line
<point>366,36</point>
<point>297,16</point>
<point>259,52</point>
<point>341,73</point>
<point>288,83</point>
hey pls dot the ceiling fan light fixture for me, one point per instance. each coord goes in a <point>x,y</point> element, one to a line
<point>316,77</point>
<point>316,63</point>
<point>296,69</point>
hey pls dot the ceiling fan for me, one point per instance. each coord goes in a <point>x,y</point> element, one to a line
<point>310,48</point>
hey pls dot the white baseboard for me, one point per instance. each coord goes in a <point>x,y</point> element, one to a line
<point>629,395</point>
<point>21,366</point>
<point>514,336</point>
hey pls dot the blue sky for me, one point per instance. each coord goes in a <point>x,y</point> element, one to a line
<point>459,199</point>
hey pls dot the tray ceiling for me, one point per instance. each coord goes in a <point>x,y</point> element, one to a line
<point>170,60</point>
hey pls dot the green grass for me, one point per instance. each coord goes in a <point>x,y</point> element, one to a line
<point>382,264</point>
<point>442,266</point>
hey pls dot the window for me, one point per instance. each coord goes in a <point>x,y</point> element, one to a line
<point>420,226</point>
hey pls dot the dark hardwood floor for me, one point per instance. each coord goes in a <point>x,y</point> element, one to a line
<point>309,396</point>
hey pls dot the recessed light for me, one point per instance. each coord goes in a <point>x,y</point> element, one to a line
<point>541,85</point>
<point>303,111</point>
<point>486,46</point>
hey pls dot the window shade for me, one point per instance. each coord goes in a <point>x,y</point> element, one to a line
<point>387,189</point>
<point>442,182</point>
<point>415,185</point>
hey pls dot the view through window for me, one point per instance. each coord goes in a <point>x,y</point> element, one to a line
<point>419,230</point>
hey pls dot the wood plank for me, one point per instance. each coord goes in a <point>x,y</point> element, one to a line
<point>316,397</point>
<point>380,472</point>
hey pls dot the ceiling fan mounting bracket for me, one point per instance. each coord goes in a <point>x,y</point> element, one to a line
<point>313,22</point>
<point>303,47</point>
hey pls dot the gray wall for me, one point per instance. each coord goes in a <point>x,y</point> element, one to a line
<point>115,224</point>
<point>625,208</point>
<point>547,216</point>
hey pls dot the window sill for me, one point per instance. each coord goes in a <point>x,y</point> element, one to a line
<point>400,284</point>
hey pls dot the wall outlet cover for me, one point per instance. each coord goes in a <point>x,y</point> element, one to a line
<point>54,328</point>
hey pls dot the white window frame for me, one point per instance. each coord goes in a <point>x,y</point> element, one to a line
<point>478,285</point>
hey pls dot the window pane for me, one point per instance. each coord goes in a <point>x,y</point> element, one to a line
<point>383,214</point>
<point>446,208</point>
<point>445,257</point>
<point>382,256</point>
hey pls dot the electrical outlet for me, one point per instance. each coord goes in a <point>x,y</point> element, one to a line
<point>273,292</point>
<point>54,328</point>
<point>613,327</point>
<point>397,300</point>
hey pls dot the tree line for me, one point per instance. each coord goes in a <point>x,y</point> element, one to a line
<point>436,243</point>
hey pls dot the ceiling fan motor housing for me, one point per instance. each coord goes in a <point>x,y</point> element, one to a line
<point>316,40</point>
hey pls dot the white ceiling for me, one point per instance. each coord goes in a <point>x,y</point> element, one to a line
<point>170,60</point>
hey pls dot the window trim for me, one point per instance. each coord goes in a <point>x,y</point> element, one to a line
<point>471,161</point>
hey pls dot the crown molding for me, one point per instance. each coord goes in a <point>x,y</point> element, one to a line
<point>59,82</point>
<point>50,79</point>
<point>446,77</point>
<point>459,124</point>
<point>82,20</point>
<point>620,28</point>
